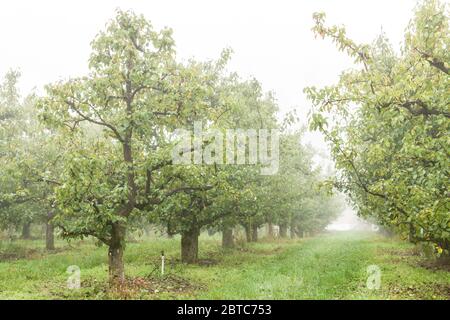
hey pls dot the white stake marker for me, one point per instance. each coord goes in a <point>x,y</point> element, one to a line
<point>162,263</point>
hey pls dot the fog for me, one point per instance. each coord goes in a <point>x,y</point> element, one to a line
<point>349,221</point>
<point>272,40</point>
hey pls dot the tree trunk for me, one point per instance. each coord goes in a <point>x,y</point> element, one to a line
<point>444,258</point>
<point>270,230</point>
<point>293,232</point>
<point>411,235</point>
<point>227,238</point>
<point>115,254</point>
<point>248,233</point>
<point>26,231</point>
<point>49,233</point>
<point>283,230</point>
<point>189,246</point>
<point>254,233</point>
<point>169,231</point>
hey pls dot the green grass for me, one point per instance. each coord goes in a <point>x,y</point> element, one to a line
<point>331,266</point>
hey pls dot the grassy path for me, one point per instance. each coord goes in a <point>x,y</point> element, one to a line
<point>332,266</point>
<point>328,267</point>
<point>335,267</point>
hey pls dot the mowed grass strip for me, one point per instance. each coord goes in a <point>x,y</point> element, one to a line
<point>330,266</point>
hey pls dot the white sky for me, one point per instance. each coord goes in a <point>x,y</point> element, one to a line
<point>272,40</point>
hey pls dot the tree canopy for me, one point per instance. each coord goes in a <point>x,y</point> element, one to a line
<point>387,123</point>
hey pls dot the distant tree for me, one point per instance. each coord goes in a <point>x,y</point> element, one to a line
<point>29,162</point>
